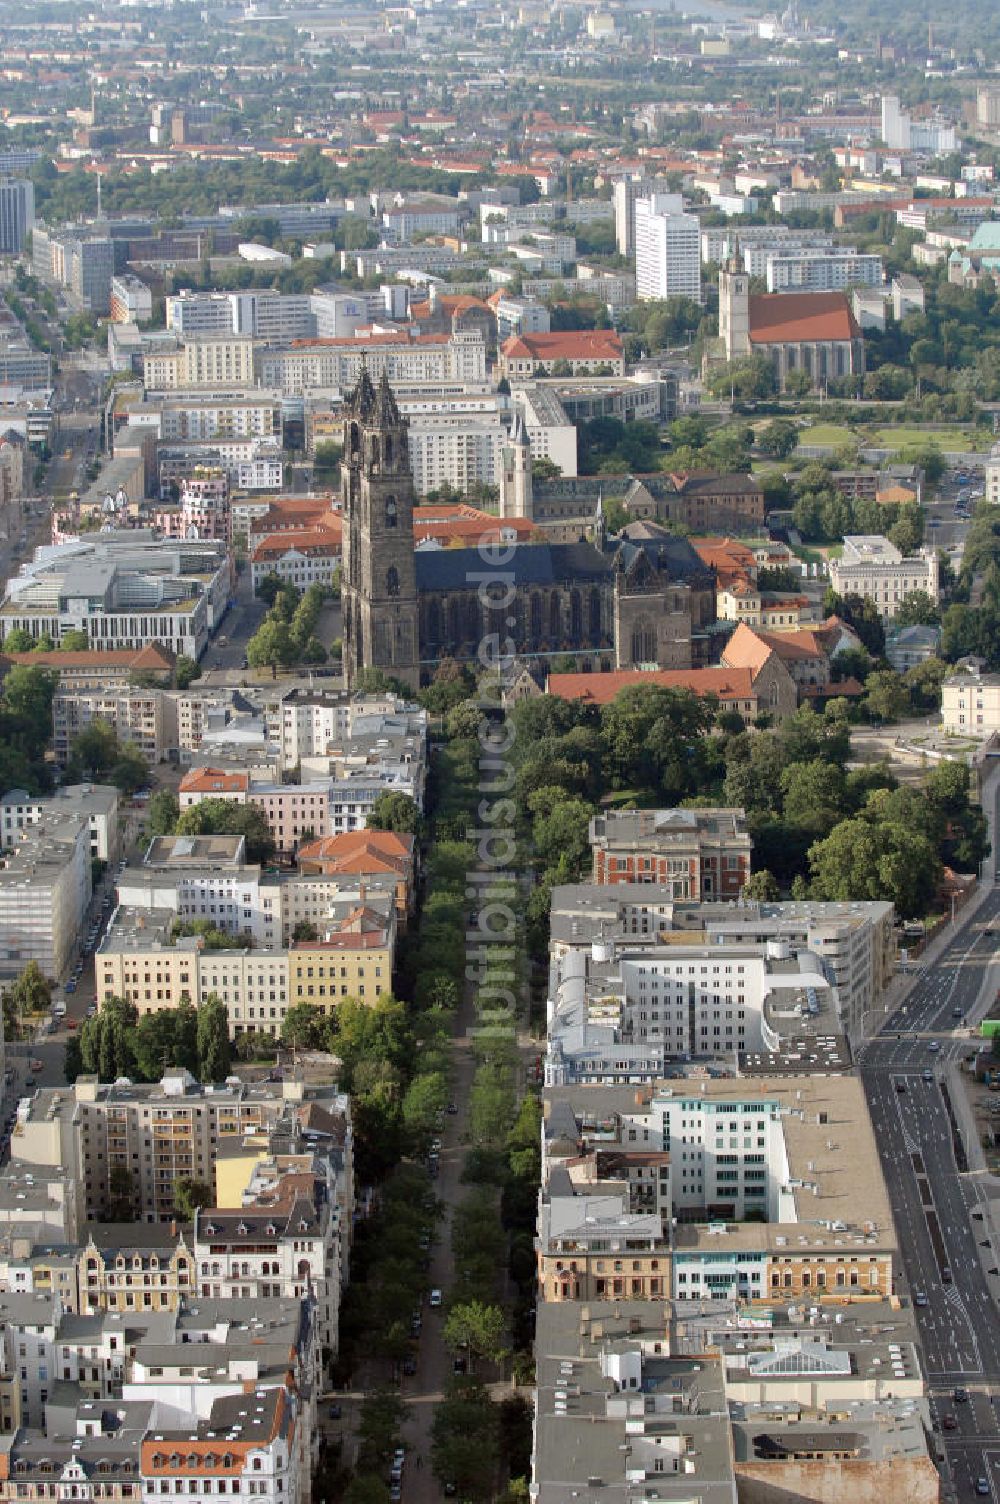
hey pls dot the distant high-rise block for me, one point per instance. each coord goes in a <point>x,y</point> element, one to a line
<point>17,214</point>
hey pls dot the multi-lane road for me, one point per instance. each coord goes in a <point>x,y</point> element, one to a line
<point>947,1253</point>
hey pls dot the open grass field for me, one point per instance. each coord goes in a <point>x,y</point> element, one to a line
<point>951,437</point>
<point>828,433</point>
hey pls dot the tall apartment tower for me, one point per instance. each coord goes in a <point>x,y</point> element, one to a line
<point>734,311</point>
<point>624,195</point>
<point>379,586</point>
<point>667,249</point>
<point>17,214</point>
<point>516,499</point>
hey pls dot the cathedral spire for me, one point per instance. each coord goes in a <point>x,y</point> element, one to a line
<point>362,400</point>
<point>386,411</point>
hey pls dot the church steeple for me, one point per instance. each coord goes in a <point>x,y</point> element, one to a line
<point>378,582</point>
<point>516,491</point>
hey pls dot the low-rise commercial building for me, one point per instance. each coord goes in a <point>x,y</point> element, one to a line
<point>124,590</point>
<point>821,968</point>
<point>743,1166</point>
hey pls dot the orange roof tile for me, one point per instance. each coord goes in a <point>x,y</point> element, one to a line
<point>785,317</point>
<point>891,495</point>
<point>305,540</point>
<point>601,689</point>
<point>153,656</point>
<point>360,851</point>
<point>572,344</point>
<point>214,781</point>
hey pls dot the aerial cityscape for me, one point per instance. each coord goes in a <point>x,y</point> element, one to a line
<point>500,752</point>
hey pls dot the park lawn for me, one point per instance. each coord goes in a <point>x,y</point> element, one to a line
<point>951,437</point>
<point>834,434</point>
<point>807,554</point>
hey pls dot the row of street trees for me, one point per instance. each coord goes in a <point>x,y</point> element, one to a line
<point>287,635</point>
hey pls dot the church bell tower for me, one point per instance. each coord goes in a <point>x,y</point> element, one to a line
<point>378,578</point>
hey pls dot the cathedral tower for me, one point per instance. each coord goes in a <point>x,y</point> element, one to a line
<point>378,579</point>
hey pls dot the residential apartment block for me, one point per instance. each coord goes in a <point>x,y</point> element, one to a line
<point>815,270</point>
<point>143,959</point>
<point>96,802</point>
<point>45,888</point>
<point>667,249</point>
<point>406,357</point>
<point>208,360</point>
<point>742,1166</point>
<point>161,1132</point>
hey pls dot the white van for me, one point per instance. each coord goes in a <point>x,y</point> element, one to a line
<point>59,1010</point>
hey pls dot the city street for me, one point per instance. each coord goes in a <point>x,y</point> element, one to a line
<point>946,1251</point>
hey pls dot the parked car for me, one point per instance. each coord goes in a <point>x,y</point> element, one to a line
<point>434,1300</point>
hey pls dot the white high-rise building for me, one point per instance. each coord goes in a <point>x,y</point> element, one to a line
<point>902,132</point>
<point>667,249</point>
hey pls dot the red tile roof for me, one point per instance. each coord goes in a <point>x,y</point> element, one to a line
<point>214,781</point>
<point>153,656</point>
<point>749,647</point>
<point>573,344</point>
<point>360,851</point>
<point>787,317</point>
<point>601,689</point>
<point>318,541</point>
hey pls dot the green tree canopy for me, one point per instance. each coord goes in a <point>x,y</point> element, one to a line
<point>304,1027</point>
<point>190,1195</point>
<point>226,817</point>
<point>214,1048</point>
<point>478,1327</point>
<point>396,812</point>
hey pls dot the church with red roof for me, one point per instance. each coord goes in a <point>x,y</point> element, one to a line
<point>814,332</point>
